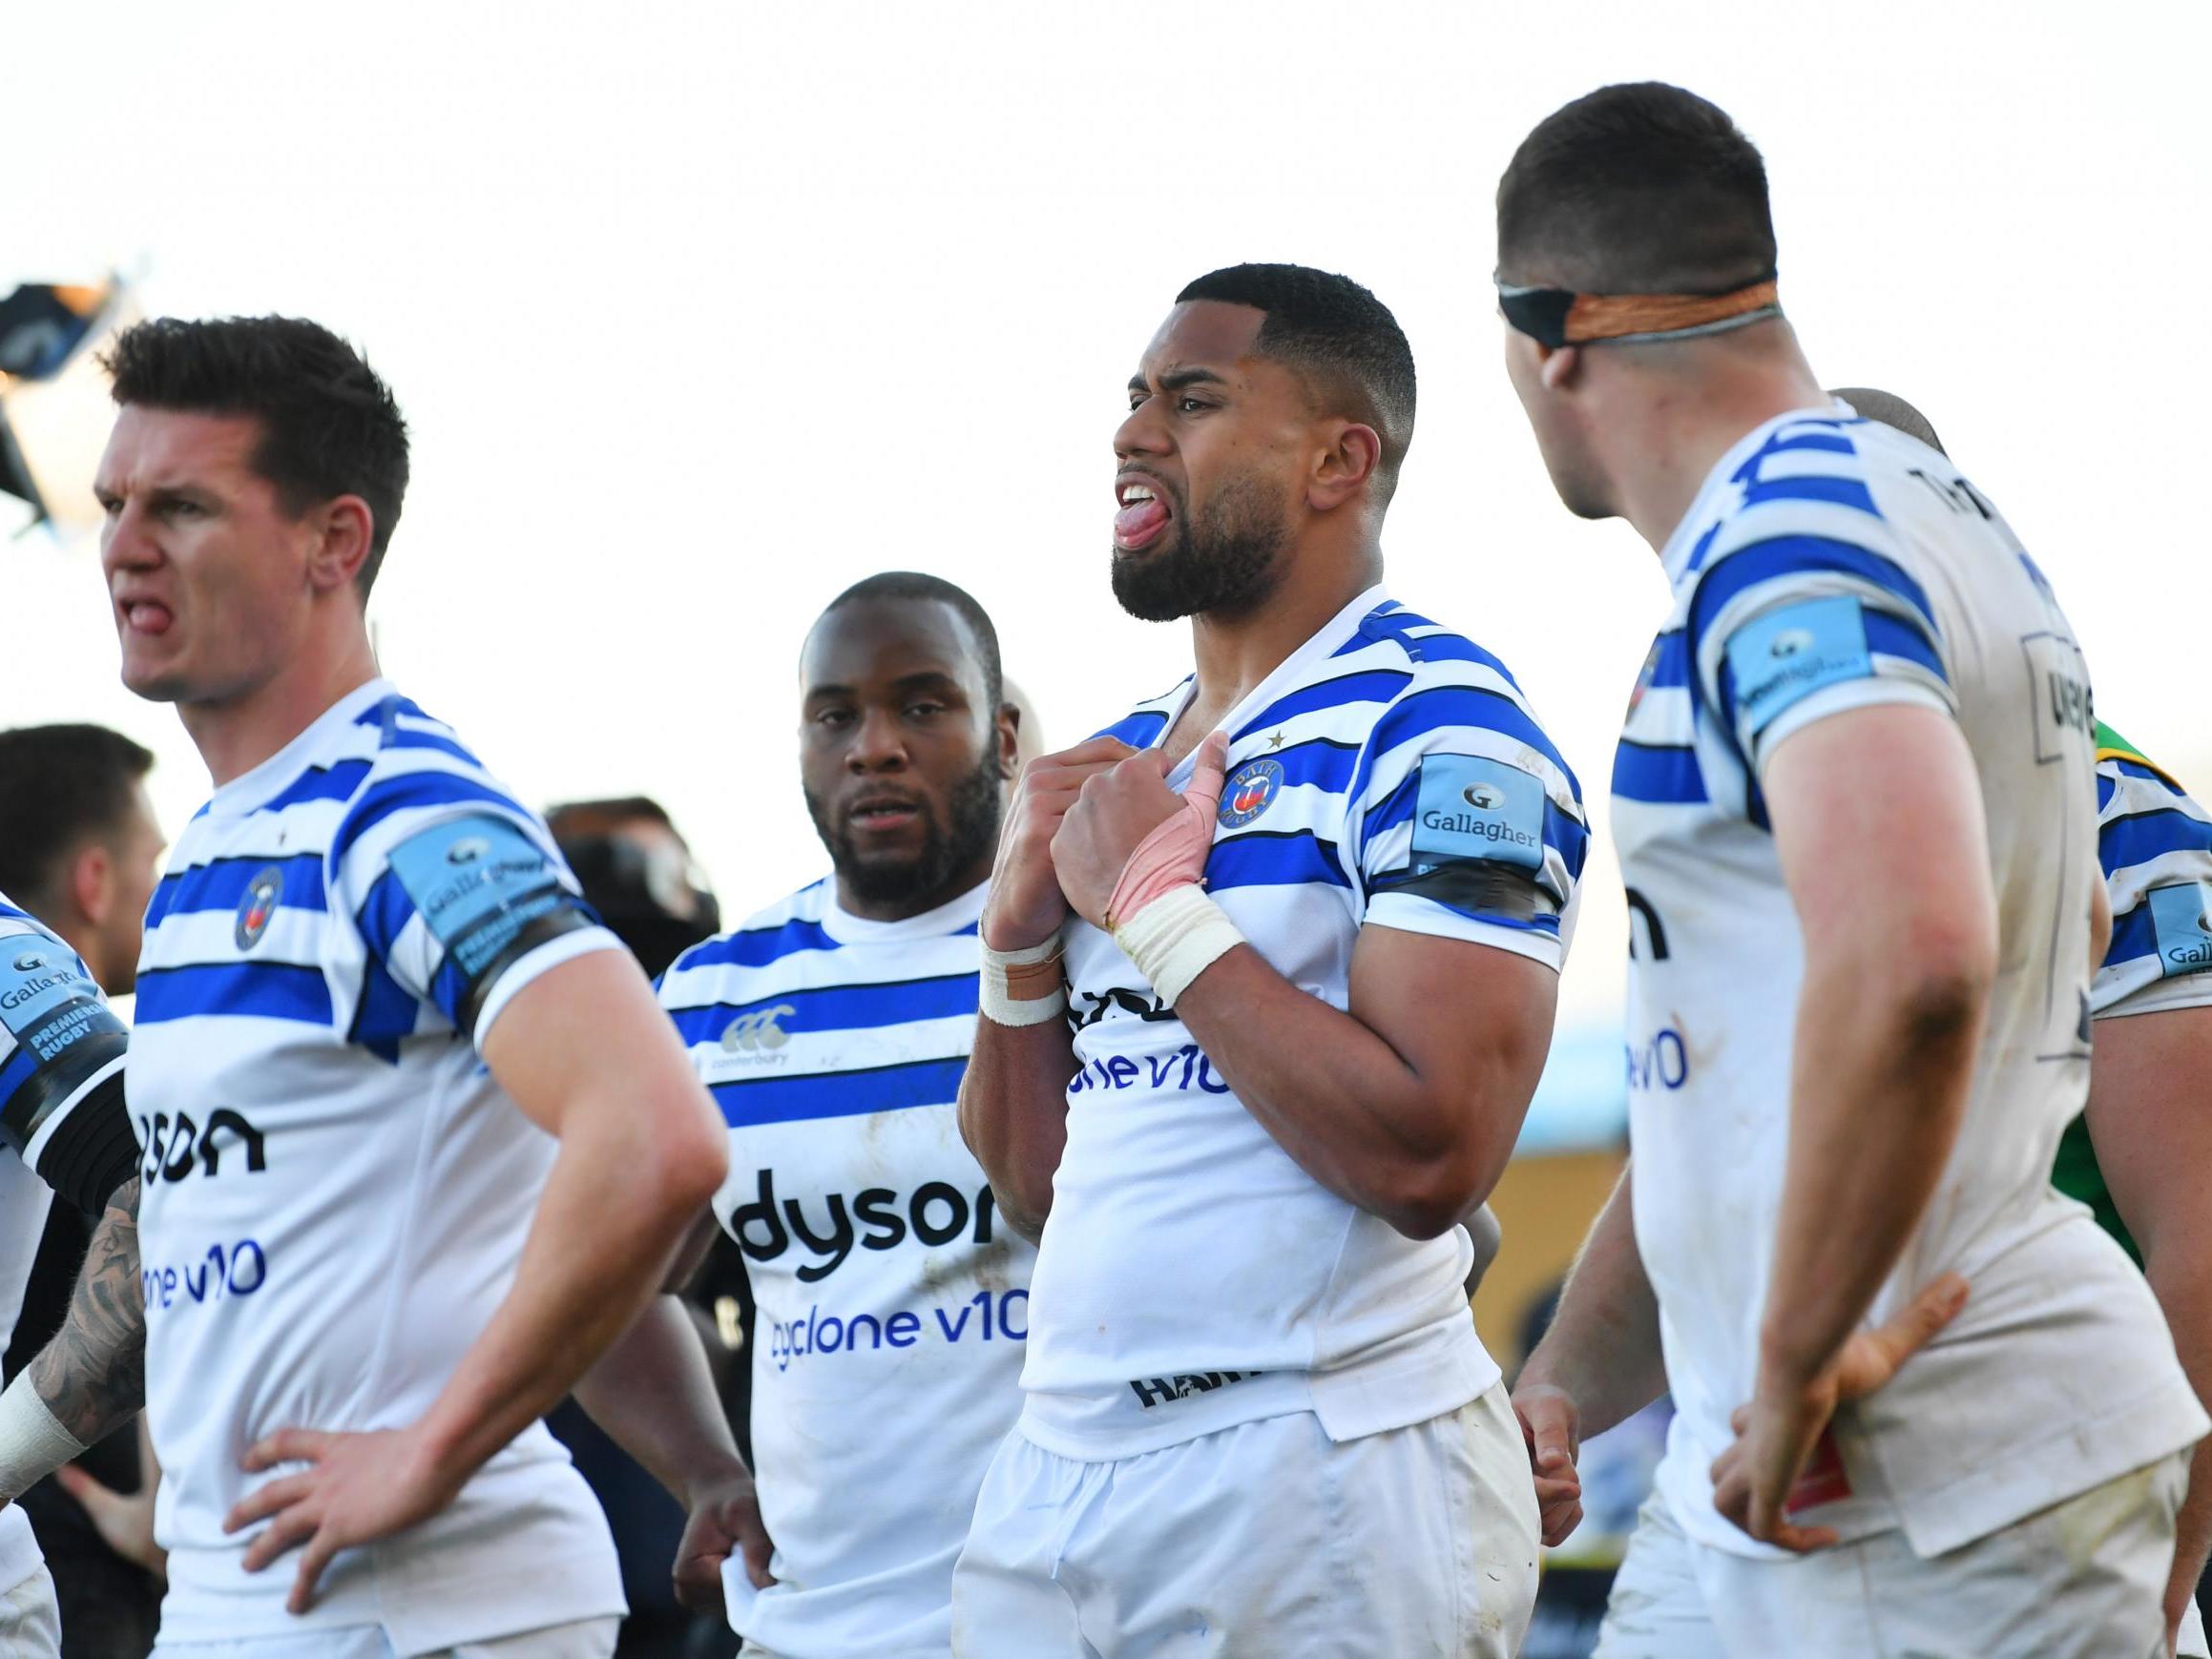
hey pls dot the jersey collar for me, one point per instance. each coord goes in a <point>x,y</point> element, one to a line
<point>1720,487</point>
<point>250,789</point>
<point>949,917</point>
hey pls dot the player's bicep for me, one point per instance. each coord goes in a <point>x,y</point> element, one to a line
<point>1466,1016</point>
<point>1879,827</point>
<point>2150,1119</point>
<point>587,1034</point>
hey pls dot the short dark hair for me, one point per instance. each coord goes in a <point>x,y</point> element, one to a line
<point>1635,189</point>
<point>329,427</point>
<point>59,785</point>
<point>1339,335</point>
<point>922,586</point>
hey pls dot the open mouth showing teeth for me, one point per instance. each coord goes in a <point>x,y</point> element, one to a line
<point>1142,517</point>
<point>870,810</point>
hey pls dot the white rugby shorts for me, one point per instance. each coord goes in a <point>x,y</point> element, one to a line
<point>2084,1579</point>
<point>1264,1538</point>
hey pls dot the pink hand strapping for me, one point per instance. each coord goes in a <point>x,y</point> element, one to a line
<point>1174,854</point>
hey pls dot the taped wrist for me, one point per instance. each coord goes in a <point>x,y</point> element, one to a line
<point>1022,987</point>
<point>32,1443</point>
<point>1175,938</point>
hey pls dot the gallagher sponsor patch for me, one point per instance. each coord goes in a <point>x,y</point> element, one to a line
<point>476,882</point>
<point>1473,807</point>
<point>1790,654</point>
<point>2182,921</point>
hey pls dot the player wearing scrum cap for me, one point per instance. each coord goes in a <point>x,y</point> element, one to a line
<point>1250,1088</point>
<point>1855,805</point>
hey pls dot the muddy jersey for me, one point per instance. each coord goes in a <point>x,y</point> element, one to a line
<point>893,1305</point>
<point>1832,564</point>
<point>336,1190</point>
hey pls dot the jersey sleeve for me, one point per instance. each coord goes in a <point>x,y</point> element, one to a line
<point>460,897</point>
<point>61,1068</point>
<point>1805,608</point>
<point>1465,820</point>
<point>2155,845</point>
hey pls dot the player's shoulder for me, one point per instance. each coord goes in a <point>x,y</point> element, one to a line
<point>2129,781</point>
<point>791,926</point>
<point>1428,653</point>
<point>417,769</point>
<point>1828,478</point>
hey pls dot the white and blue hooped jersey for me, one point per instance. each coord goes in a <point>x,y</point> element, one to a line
<point>1192,1276</point>
<point>1831,564</point>
<point>2155,844</point>
<point>63,1126</point>
<point>893,1304</point>
<point>336,1190</point>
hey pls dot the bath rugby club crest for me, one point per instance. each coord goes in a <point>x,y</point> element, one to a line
<point>1247,793</point>
<point>257,905</point>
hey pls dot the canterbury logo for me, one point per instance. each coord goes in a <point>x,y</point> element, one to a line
<point>757,1032</point>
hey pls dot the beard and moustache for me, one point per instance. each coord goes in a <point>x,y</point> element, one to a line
<point>1227,560</point>
<point>972,805</point>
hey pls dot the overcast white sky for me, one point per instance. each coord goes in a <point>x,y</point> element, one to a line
<point>700,313</point>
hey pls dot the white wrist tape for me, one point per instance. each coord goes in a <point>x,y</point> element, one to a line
<point>1175,938</point>
<point>32,1443</point>
<point>1022,987</point>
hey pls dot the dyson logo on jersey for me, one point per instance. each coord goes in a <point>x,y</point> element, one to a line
<point>1661,1062</point>
<point>935,1213</point>
<point>174,1149</point>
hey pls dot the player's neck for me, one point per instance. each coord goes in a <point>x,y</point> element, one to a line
<point>237,735</point>
<point>1683,424</point>
<point>1234,652</point>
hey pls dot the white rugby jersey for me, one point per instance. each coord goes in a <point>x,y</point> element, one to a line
<point>2155,844</point>
<point>1192,1275</point>
<point>336,1191</point>
<point>63,1124</point>
<point>893,1303</point>
<point>1831,564</point>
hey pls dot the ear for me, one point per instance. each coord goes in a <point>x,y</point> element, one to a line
<point>1346,466</point>
<point>1006,732</point>
<point>91,884</point>
<point>1558,366</point>
<point>345,529</point>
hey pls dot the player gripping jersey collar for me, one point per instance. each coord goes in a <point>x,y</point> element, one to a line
<point>1268,978</point>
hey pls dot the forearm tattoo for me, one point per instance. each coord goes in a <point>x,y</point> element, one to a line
<point>93,1375</point>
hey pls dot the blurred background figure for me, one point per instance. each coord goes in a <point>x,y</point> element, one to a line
<point>79,849</point>
<point>639,874</point>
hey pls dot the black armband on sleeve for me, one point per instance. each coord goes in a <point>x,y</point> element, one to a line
<point>1476,886</point>
<point>93,1149</point>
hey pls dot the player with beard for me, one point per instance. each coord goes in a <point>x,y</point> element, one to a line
<point>833,1028</point>
<point>1320,892</point>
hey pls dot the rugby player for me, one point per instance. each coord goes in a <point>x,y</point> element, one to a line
<point>1247,1092</point>
<point>83,851</point>
<point>1855,815</point>
<point>417,1142</point>
<point>2146,1125</point>
<point>832,1028</point>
